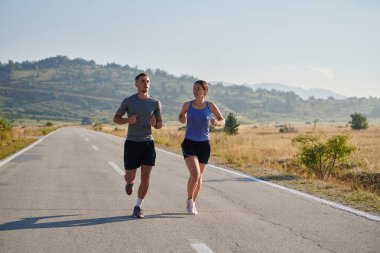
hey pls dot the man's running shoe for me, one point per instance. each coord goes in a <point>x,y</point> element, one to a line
<point>129,188</point>
<point>190,206</point>
<point>138,212</point>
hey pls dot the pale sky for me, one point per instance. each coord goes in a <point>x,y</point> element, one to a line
<point>331,44</point>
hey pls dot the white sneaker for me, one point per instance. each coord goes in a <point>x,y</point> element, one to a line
<point>190,206</point>
<point>194,209</point>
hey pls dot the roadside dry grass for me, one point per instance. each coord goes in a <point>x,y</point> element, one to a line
<point>263,152</point>
<point>13,146</point>
<point>20,137</point>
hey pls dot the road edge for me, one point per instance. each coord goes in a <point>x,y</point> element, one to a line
<point>13,156</point>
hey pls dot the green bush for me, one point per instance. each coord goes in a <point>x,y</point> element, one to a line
<point>358,121</point>
<point>49,124</point>
<point>320,154</point>
<point>5,125</point>
<point>98,126</point>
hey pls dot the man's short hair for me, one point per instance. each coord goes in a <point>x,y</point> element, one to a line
<point>140,75</point>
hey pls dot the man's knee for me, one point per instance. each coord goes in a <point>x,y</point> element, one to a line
<point>130,175</point>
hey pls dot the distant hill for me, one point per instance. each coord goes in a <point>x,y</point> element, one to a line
<point>303,93</point>
<point>59,88</point>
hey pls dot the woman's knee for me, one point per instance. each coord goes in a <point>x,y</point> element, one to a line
<point>196,175</point>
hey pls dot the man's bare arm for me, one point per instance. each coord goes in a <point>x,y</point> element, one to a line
<point>118,119</point>
<point>159,123</point>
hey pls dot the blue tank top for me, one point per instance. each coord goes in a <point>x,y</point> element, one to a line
<point>198,122</point>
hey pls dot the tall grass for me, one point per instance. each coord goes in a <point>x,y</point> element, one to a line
<point>266,147</point>
<point>19,137</point>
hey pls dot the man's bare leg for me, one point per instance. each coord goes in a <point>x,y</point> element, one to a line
<point>129,177</point>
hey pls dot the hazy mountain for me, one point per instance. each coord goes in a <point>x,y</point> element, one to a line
<point>303,93</point>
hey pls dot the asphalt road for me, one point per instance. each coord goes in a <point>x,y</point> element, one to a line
<point>66,194</point>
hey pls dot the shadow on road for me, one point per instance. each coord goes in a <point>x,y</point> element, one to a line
<point>31,222</point>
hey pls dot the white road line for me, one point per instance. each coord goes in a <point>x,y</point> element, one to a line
<point>200,247</point>
<point>305,195</point>
<point>116,168</point>
<point>95,147</point>
<point>3,162</point>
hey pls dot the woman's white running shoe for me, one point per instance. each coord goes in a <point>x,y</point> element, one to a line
<point>194,209</point>
<point>190,206</point>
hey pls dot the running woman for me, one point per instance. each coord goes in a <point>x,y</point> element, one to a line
<point>144,112</point>
<point>196,145</point>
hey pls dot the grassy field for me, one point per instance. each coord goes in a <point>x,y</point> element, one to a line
<point>262,151</point>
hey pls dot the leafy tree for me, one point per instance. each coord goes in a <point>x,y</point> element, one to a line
<point>358,121</point>
<point>320,155</point>
<point>231,125</point>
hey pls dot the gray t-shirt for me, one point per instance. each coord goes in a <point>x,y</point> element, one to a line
<point>143,108</point>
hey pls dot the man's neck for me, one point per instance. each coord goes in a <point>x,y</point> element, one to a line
<point>143,95</point>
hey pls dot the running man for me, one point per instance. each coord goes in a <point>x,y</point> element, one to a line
<point>144,112</point>
<point>196,145</point>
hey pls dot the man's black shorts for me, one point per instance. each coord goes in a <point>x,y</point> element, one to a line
<point>200,149</point>
<point>138,153</point>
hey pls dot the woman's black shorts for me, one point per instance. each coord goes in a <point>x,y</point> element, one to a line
<point>200,149</point>
<point>138,153</point>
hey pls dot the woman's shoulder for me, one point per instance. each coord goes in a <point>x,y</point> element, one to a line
<point>211,104</point>
<point>187,103</point>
